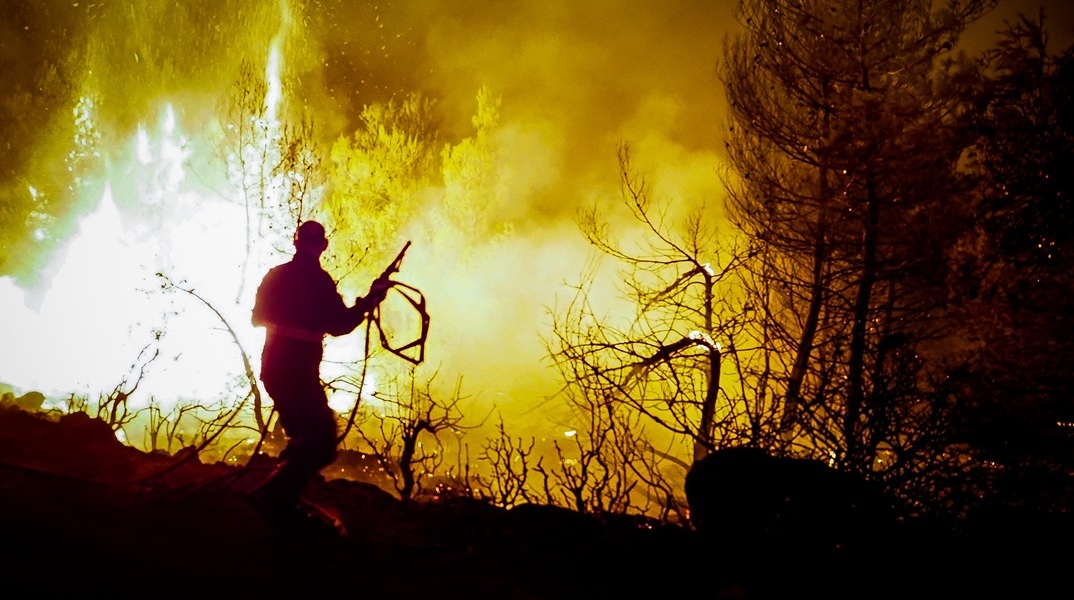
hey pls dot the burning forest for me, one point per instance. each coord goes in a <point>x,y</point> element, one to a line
<point>701,282</point>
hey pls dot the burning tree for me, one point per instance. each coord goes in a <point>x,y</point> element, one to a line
<point>472,172</point>
<point>275,166</point>
<point>48,157</point>
<point>395,174</point>
<point>378,176</point>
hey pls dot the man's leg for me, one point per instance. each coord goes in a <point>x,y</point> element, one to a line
<point>310,426</point>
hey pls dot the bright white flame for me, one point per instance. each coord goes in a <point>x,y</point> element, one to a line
<point>92,310</point>
<point>275,65</point>
<point>169,121</point>
<point>142,146</point>
<point>173,151</point>
<point>104,302</point>
<point>342,401</point>
<point>272,96</point>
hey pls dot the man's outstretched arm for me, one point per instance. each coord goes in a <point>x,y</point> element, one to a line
<point>352,317</point>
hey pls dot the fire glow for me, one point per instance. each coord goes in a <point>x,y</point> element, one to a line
<point>109,303</point>
<point>105,301</point>
<point>108,300</point>
<point>164,199</point>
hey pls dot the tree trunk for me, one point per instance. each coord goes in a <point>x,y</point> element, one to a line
<point>856,367</point>
<point>793,398</point>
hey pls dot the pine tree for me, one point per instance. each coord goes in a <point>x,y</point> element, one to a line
<point>844,143</point>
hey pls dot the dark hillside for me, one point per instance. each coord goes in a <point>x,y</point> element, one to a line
<point>82,514</point>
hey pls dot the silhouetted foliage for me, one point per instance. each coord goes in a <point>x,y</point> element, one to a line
<point>743,496</point>
<point>844,143</point>
<point>403,435</point>
<point>1016,269</point>
<point>649,385</point>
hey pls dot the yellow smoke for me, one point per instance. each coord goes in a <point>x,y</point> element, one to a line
<point>564,82</point>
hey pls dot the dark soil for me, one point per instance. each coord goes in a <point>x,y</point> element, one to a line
<point>81,515</point>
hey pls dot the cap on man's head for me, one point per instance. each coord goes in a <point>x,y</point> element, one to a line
<point>310,232</point>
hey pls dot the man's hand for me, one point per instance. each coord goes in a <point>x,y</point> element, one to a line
<point>382,284</point>
<point>378,290</point>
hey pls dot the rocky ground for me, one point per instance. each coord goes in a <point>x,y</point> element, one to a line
<point>82,514</point>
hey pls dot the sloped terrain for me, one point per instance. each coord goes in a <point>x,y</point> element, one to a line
<point>82,514</point>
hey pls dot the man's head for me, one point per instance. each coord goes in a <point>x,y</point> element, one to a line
<point>310,239</point>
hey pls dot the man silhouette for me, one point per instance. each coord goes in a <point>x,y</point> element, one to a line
<point>298,304</point>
